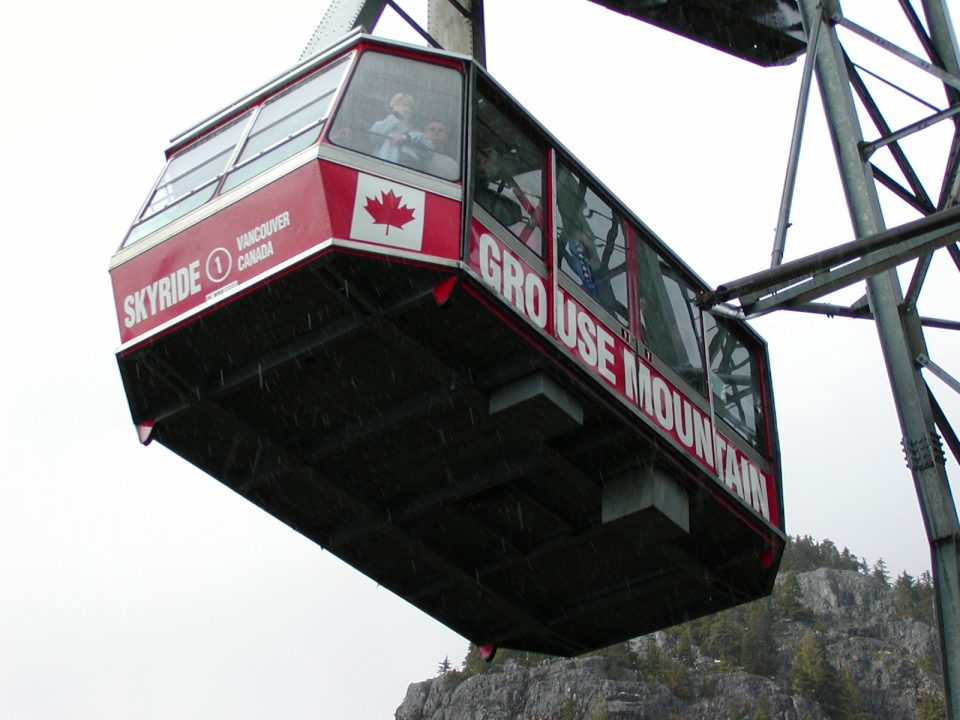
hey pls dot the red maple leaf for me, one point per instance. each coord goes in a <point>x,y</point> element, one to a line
<point>388,211</point>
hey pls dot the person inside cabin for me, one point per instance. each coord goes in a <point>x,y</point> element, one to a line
<point>343,136</point>
<point>576,238</point>
<point>439,161</point>
<point>400,142</point>
<point>491,182</point>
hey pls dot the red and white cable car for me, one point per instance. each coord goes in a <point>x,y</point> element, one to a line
<point>380,301</point>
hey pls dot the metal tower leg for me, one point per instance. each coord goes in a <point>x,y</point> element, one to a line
<point>458,25</point>
<point>920,441</point>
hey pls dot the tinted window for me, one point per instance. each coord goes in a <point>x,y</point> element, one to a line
<point>591,248</point>
<point>670,321</point>
<point>287,124</point>
<point>405,112</point>
<point>735,380</point>
<point>190,178</point>
<point>508,172</point>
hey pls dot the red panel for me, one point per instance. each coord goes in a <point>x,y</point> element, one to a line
<point>284,221</point>
<point>383,212</point>
<point>511,278</point>
<point>614,363</point>
<point>237,246</point>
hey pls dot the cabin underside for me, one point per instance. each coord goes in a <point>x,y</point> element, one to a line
<point>440,450</point>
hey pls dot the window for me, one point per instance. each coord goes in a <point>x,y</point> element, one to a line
<point>284,125</point>
<point>190,178</point>
<point>670,321</point>
<point>591,249</point>
<point>735,380</point>
<point>287,124</point>
<point>405,112</point>
<point>509,172</point>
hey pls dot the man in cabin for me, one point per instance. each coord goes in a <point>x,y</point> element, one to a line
<point>439,162</point>
<point>576,237</point>
<point>491,181</point>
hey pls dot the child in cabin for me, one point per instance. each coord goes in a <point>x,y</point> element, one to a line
<point>401,143</point>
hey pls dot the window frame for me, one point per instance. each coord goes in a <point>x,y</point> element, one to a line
<point>334,117</point>
<point>250,106</point>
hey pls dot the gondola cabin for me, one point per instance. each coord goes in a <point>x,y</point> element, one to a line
<point>378,300</point>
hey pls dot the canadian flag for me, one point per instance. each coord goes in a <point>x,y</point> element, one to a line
<point>387,213</point>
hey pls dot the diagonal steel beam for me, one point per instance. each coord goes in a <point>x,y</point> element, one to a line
<point>832,279</point>
<point>949,436</point>
<point>945,77</point>
<point>891,137</point>
<point>925,362</point>
<point>341,17</point>
<point>796,139</point>
<point>901,192</point>
<point>897,245</point>
<point>916,282</point>
<point>888,137</point>
<point>920,31</point>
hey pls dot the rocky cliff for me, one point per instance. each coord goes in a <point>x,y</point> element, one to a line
<point>830,643</point>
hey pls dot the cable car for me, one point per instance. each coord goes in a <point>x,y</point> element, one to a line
<point>380,301</point>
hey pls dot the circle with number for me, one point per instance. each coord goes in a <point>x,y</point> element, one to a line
<point>219,264</point>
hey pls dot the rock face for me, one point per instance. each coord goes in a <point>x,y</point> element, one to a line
<point>883,665</point>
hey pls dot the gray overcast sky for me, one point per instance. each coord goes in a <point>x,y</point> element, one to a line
<point>133,586</point>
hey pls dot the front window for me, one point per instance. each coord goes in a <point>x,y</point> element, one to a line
<point>405,112</point>
<point>287,124</point>
<point>190,178</point>
<point>282,126</point>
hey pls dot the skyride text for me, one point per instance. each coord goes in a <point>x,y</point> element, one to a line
<point>628,375</point>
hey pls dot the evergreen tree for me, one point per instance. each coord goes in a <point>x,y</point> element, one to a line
<point>651,664</point>
<point>829,555</point>
<point>851,697</point>
<point>684,650</point>
<point>880,572</point>
<point>812,675</point>
<point>622,662</point>
<point>849,561</point>
<point>757,649</point>
<point>444,667</point>
<point>805,553</point>
<point>786,596</point>
<point>903,594</point>
<point>722,638</point>
<point>597,709</point>
<point>801,554</point>
<point>762,711</point>
<point>473,664</point>
<point>807,670</point>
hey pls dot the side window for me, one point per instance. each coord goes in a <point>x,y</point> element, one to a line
<point>405,112</point>
<point>591,249</point>
<point>509,172</point>
<point>190,178</point>
<point>287,124</point>
<point>670,321</point>
<point>735,380</point>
